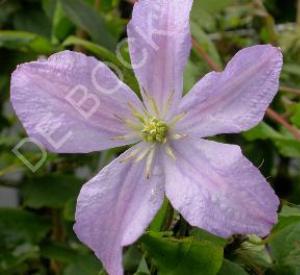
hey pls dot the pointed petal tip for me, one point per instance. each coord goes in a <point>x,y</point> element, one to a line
<point>159,45</point>
<point>236,99</point>
<point>60,103</point>
<point>114,208</point>
<point>227,196</point>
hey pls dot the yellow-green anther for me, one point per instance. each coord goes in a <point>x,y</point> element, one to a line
<point>155,130</point>
<point>136,113</point>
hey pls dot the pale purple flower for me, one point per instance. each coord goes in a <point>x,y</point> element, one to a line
<point>211,184</point>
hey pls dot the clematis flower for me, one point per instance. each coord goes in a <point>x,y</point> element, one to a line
<point>211,184</point>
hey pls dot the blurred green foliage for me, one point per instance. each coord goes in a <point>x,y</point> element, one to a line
<point>36,235</point>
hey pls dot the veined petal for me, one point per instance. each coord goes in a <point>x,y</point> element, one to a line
<point>235,99</point>
<point>72,103</point>
<point>160,43</point>
<point>115,207</point>
<point>216,188</point>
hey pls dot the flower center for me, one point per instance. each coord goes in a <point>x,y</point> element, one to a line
<point>155,130</point>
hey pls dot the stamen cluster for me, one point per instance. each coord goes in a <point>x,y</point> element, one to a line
<point>155,130</point>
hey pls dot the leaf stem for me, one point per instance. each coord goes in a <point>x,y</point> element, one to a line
<point>201,51</point>
<point>97,4</point>
<point>58,236</point>
<point>291,90</point>
<point>279,119</point>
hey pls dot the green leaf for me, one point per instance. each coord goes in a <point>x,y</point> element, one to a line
<point>33,21</point>
<point>229,267</point>
<point>59,252</point>
<point>288,147</point>
<point>292,69</point>
<point>8,8</point>
<point>287,216</point>
<point>131,259</point>
<point>143,268</point>
<point>201,234</point>
<point>202,17</point>
<point>11,260</point>
<point>25,41</point>
<point>85,265</point>
<point>285,248</point>
<point>213,6</point>
<point>164,213</point>
<point>290,210</point>
<point>285,222</point>
<point>69,210</point>
<point>85,17</point>
<point>49,7</point>
<point>204,12</point>
<point>78,263</point>
<point>262,131</point>
<point>106,56</point>
<point>101,52</point>
<point>205,42</point>
<point>21,226</point>
<point>185,256</point>
<point>61,25</point>
<point>285,143</point>
<point>295,118</point>
<point>50,191</point>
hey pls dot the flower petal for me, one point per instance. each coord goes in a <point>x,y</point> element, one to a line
<point>115,207</point>
<point>72,103</point>
<point>160,43</point>
<point>236,99</point>
<point>216,188</point>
